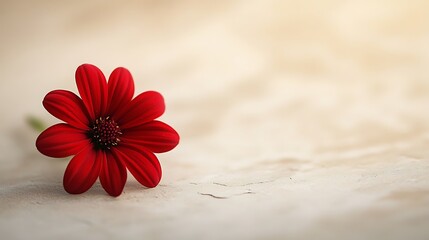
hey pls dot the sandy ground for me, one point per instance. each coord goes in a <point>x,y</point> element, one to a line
<point>299,119</point>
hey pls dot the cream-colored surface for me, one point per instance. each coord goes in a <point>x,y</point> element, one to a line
<point>299,119</point>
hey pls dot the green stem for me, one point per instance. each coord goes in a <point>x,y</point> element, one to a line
<point>36,123</point>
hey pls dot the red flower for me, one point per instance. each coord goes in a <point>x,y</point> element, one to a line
<point>107,131</point>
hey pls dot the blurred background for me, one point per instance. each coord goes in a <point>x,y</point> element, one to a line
<point>297,118</point>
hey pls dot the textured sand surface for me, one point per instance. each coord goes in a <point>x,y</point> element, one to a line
<point>299,119</point>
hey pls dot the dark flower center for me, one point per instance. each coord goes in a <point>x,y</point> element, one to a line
<point>104,133</point>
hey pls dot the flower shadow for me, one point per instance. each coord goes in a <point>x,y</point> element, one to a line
<point>36,193</point>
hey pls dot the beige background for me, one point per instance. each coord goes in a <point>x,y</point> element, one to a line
<point>299,119</point>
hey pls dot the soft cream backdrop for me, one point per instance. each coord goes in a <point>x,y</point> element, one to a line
<point>299,119</point>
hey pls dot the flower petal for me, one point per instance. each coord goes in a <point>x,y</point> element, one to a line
<point>120,88</point>
<point>154,135</point>
<point>144,108</point>
<point>141,163</point>
<point>113,175</point>
<point>68,107</point>
<point>83,170</point>
<point>92,87</point>
<point>61,140</point>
